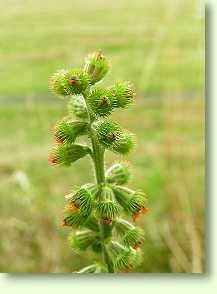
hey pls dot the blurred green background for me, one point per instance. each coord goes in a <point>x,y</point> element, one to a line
<point>159,45</point>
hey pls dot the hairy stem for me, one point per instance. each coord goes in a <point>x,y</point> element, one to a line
<point>98,160</point>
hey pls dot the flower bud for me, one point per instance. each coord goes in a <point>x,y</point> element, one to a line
<point>75,81</point>
<point>57,83</point>
<point>123,93</point>
<point>77,107</point>
<point>132,201</point>
<point>118,173</point>
<point>107,207</point>
<point>66,154</point>
<point>100,101</point>
<point>68,131</point>
<point>96,66</point>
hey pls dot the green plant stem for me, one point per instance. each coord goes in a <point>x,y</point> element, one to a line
<point>98,159</point>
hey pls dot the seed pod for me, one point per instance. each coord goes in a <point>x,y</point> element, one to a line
<point>68,131</point>
<point>96,66</point>
<point>123,93</point>
<point>107,208</point>
<point>66,154</point>
<point>133,202</point>
<point>57,83</point>
<point>77,107</point>
<point>124,259</point>
<point>118,173</point>
<point>82,239</point>
<point>131,235</point>
<point>100,101</point>
<point>75,81</point>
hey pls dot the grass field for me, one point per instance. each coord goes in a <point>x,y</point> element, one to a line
<point>159,45</point>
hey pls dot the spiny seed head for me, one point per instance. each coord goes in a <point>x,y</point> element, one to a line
<point>107,207</point>
<point>118,173</point>
<point>74,219</point>
<point>124,259</point>
<point>131,236</point>
<point>107,132</point>
<point>77,107</point>
<point>100,101</point>
<point>96,66</point>
<point>65,154</point>
<point>133,202</point>
<point>124,143</point>
<point>57,83</point>
<point>134,238</point>
<point>127,261</point>
<point>111,136</point>
<point>82,200</point>
<point>67,131</point>
<point>78,209</point>
<point>75,81</point>
<point>123,93</point>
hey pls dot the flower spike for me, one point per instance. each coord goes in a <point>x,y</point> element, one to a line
<point>93,211</point>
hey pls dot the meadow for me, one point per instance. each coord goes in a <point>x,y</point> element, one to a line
<point>160,47</point>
